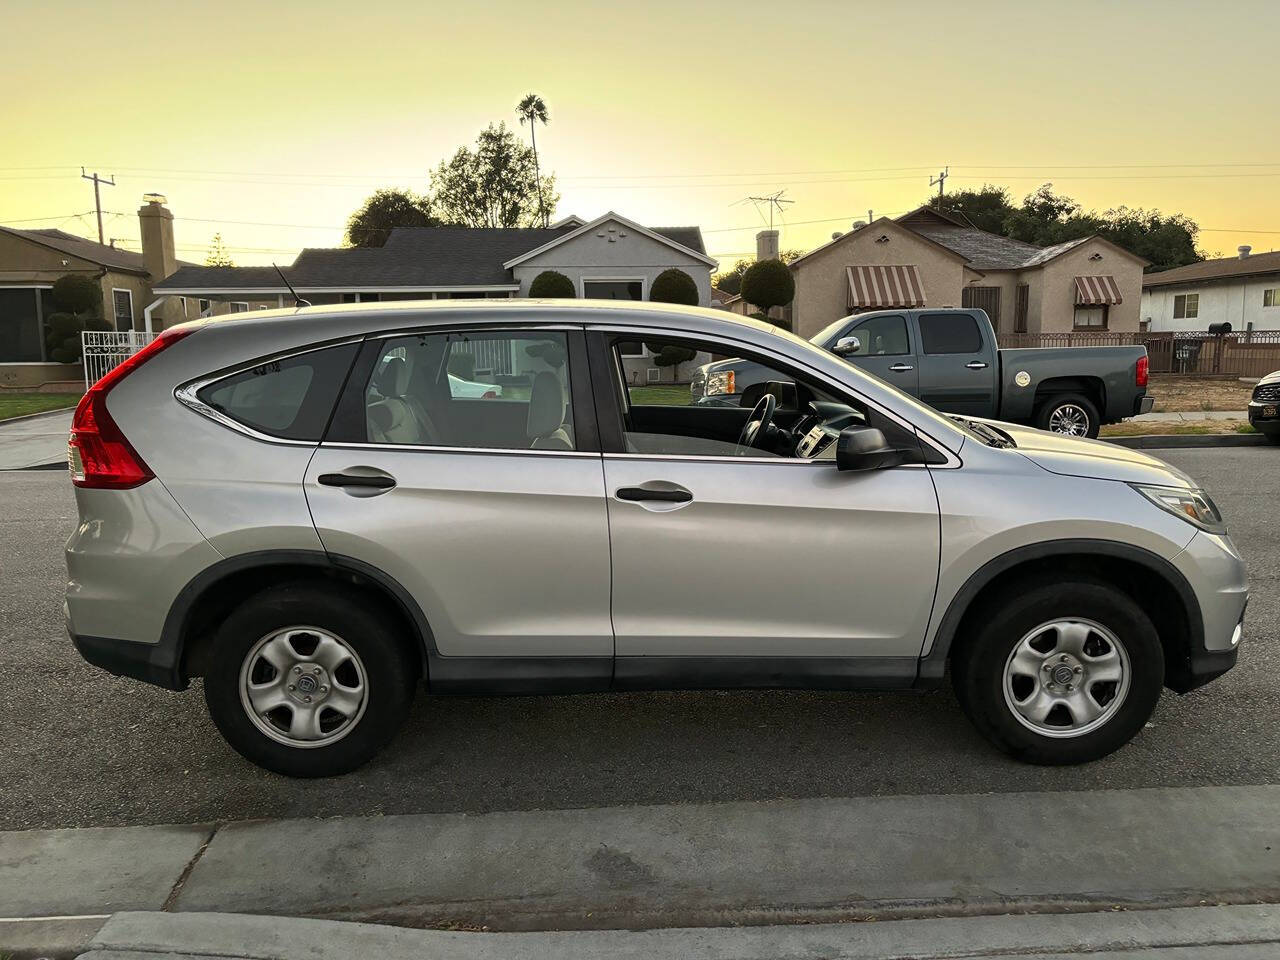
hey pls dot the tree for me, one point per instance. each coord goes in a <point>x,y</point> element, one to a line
<point>672,355</point>
<point>494,185</point>
<point>383,212</point>
<point>551,284</point>
<point>987,209</point>
<point>674,286</point>
<point>768,284</point>
<point>78,300</point>
<point>1167,241</point>
<point>218,256</point>
<point>731,280</point>
<point>533,111</point>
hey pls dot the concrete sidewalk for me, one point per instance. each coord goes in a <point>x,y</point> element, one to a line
<point>688,865</point>
<point>37,441</point>
<point>1190,416</point>
<point>1208,933</point>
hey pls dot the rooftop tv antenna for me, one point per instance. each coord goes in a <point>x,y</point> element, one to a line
<point>774,201</point>
<point>940,180</point>
<point>297,300</point>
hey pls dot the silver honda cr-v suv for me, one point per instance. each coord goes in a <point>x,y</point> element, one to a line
<point>317,510</point>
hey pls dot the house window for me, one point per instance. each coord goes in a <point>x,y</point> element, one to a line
<point>613,289</point>
<point>1186,306</point>
<point>21,326</point>
<point>182,304</point>
<point>122,300</point>
<point>1092,317</point>
<point>204,306</point>
<point>239,306</point>
<point>1271,297</point>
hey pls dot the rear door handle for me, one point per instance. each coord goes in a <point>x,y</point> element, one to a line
<point>901,367</point>
<point>644,493</point>
<point>375,482</point>
<point>976,365</point>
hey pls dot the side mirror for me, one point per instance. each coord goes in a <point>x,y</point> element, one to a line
<point>865,448</point>
<point>847,346</point>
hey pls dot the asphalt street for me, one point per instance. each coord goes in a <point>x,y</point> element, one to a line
<point>79,747</point>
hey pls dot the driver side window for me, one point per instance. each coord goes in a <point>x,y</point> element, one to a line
<point>710,414</point>
<point>881,337</point>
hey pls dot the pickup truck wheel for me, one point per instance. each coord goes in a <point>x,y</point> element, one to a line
<point>1071,414</point>
<point>308,682</point>
<point>1060,673</point>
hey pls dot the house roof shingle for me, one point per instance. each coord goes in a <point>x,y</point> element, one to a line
<point>100,253</point>
<point>411,257</point>
<point>1222,269</point>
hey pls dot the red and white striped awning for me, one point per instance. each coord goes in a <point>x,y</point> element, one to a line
<point>888,286</point>
<point>1095,291</point>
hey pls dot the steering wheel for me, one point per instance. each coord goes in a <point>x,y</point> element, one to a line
<point>757,426</point>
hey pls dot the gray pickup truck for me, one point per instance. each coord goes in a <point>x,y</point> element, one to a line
<point>949,359</point>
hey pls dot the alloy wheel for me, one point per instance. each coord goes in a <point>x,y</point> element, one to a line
<point>1069,419</point>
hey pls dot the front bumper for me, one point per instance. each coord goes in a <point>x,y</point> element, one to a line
<point>1216,574</point>
<point>1264,416</point>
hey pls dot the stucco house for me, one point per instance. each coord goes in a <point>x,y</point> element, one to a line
<point>927,258</point>
<point>1243,291</point>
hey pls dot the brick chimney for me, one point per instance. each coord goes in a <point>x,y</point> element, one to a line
<point>767,245</point>
<point>156,223</point>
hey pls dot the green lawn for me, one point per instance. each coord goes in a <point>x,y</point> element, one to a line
<point>662,394</point>
<point>21,404</point>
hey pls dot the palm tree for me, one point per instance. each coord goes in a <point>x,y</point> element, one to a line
<point>533,111</point>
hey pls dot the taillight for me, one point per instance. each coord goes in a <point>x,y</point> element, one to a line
<point>1144,366</point>
<point>97,452</point>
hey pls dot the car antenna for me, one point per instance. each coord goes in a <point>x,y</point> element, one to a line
<point>297,300</point>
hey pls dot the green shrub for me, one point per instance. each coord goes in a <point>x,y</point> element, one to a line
<point>63,335</point>
<point>551,284</point>
<point>672,355</point>
<point>78,294</point>
<point>768,284</point>
<point>674,286</point>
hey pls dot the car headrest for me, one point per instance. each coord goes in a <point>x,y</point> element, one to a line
<point>393,378</point>
<point>546,405</point>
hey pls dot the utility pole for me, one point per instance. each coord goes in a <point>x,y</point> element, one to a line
<point>942,179</point>
<point>97,199</point>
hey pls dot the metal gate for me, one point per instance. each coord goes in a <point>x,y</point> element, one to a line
<point>104,350</point>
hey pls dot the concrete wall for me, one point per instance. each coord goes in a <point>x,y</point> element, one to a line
<point>1054,306</point>
<point>1238,302</point>
<point>629,255</point>
<point>822,286</point>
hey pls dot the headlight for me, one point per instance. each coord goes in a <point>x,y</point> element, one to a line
<point>720,383</point>
<point>1194,506</point>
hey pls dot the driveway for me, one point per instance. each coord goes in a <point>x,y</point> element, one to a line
<point>84,748</point>
<point>37,441</point>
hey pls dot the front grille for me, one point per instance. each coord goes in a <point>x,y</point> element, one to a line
<point>1267,393</point>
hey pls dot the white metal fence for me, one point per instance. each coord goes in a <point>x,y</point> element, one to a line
<point>103,350</point>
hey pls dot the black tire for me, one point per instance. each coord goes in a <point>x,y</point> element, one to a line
<point>390,677</point>
<point>978,668</point>
<point>1044,415</point>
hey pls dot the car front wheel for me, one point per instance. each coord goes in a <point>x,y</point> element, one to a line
<point>1061,673</point>
<point>308,682</point>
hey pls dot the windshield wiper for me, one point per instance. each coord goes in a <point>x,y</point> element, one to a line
<point>990,435</point>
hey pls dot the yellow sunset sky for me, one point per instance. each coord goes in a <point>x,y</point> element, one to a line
<point>270,122</point>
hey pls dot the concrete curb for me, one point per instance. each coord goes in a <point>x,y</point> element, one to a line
<point>809,861</point>
<point>1212,933</point>
<point>1169,441</point>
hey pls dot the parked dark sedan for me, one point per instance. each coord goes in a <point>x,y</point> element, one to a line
<point>1264,407</point>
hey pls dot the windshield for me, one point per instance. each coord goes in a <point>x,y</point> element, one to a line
<point>827,335</point>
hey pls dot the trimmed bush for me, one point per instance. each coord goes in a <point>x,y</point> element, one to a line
<point>768,284</point>
<point>78,294</point>
<point>674,286</point>
<point>552,284</point>
<point>63,335</point>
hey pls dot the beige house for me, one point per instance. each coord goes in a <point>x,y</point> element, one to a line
<point>30,262</point>
<point>932,259</point>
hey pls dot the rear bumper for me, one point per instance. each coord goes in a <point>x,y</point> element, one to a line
<point>1143,405</point>
<point>127,658</point>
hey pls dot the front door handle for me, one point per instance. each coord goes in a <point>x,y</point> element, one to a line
<point>976,365</point>
<point>374,482</point>
<point>901,367</point>
<point>663,496</point>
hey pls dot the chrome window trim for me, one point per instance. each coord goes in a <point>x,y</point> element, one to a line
<point>436,448</point>
<point>936,445</point>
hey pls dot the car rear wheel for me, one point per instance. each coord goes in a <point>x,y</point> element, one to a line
<point>308,683</point>
<point>1071,414</point>
<point>1061,673</point>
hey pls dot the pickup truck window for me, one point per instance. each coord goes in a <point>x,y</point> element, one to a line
<point>882,337</point>
<point>949,333</point>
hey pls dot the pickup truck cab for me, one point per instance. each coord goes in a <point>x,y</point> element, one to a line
<point>949,359</point>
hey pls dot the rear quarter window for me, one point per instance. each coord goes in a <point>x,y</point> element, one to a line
<point>290,398</point>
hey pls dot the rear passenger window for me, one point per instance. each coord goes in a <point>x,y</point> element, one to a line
<point>493,390</point>
<point>950,333</point>
<point>290,398</point>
